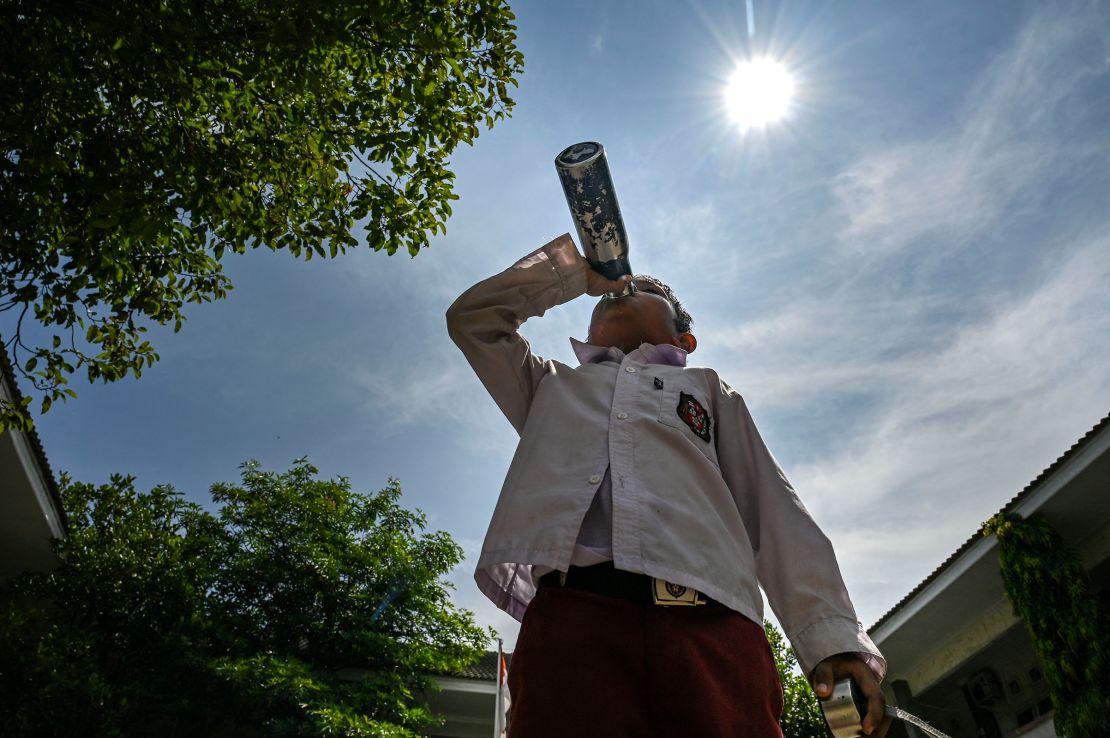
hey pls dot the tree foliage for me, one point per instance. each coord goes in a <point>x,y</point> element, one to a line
<point>142,142</point>
<point>1069,629</point>
<point>801,715</point>
<point>299,608</point>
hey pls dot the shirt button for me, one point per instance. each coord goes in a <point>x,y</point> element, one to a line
<point>622,416</point>
<point>630,369</point>
<point>595,479</point>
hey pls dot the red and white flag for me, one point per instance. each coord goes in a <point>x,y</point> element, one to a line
<point>501,702</point>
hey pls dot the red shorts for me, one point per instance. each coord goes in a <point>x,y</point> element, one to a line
<point>590,665</point>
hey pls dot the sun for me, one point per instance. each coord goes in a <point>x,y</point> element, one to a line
<point>759,93</point>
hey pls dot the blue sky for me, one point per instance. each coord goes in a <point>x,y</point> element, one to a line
<point>907,279</point>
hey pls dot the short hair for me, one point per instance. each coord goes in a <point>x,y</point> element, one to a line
<point>683,321</point>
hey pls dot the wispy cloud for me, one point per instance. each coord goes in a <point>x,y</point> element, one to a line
<point>964,391</point>
<point>438,386</point>
<point>959,182</point>
<point>597,44</point>
<point>956,432</point>
<point>686,240</point>
<point>438,391</point>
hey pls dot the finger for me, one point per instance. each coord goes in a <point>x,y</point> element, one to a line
<point>876,705</point>
<point>822,680</point>
<point>603,286</point>
<point>876,702</point>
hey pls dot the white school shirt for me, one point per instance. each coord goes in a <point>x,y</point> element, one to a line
<point>595,538</point>
<point>696,497</point>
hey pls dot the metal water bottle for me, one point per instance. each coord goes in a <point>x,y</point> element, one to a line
<point>844,710</point>
<point>846,706</point>
<point>584,174</point>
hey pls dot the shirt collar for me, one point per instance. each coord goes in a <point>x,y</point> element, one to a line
<point>663,353</point>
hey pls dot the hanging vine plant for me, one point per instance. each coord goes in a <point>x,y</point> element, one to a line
<point>1051,593</point>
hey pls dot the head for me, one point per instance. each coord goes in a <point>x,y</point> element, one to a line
<point>653,314</point>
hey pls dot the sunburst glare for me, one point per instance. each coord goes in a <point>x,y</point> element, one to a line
<point>759,93</point>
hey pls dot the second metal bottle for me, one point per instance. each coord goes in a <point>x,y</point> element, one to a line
<point>584,174</point>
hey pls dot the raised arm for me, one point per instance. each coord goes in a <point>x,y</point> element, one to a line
<point>484,321</point>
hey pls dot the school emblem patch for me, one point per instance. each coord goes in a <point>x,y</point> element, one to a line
<point>694,415</point>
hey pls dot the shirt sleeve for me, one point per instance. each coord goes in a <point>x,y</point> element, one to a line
<point>795,562</point>
<point>484,321</point>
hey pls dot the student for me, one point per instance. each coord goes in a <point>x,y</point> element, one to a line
<point>638,519</point>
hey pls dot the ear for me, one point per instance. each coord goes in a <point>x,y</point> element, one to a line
<point>686,342</point>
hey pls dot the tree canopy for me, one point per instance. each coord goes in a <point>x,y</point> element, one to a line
<point>801,714</point>
<point>298,608</point>
<point>142,142</point>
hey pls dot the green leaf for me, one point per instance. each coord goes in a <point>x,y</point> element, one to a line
<point>209,132</point>
<point>235,617</point>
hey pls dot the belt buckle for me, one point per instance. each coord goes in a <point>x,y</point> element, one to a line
<point>669,594</point>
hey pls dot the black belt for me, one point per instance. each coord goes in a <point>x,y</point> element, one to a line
<point>605,579</point>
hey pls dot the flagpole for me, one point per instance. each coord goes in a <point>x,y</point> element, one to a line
<point>498,708</point>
